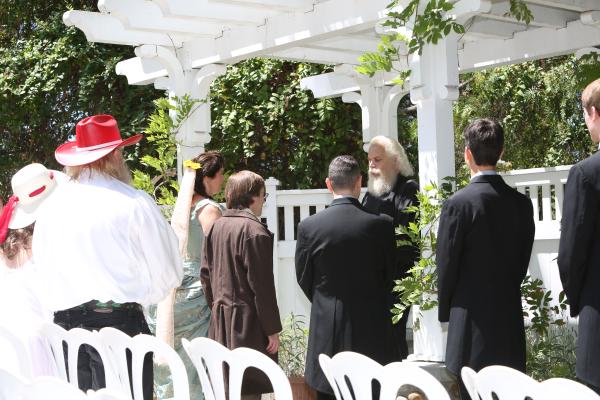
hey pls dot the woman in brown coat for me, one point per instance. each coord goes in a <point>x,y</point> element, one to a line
<point>237,276</point>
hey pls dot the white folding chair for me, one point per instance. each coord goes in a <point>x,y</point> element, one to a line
<point>244,358</point>
<point>469,378</point>
<point>56,336</point>
<point>12,386</point>
<point>105,394</point>
<point>209,357</point>
<point>15,355</point>
<point>507,384</point>
<point>117,343</point>
<point>48,387</point>
<point>349,372</point>
<point>561,388</point>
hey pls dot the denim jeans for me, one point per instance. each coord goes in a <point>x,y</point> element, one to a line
<point>90,371</point>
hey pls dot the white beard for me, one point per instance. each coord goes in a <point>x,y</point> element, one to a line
<point>380,184</point>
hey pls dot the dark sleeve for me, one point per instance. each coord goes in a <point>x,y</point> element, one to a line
<point>406,256</point>
<point>258,258</point>
<point>304,267</point>
<point>577,228</point>
<point>388,241</point>
<point>527,239</point>
<point>205,272</point>
<point>451,232</point>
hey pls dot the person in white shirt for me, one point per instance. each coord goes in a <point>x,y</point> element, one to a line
<point>104,248</point>
<point>21,311</point>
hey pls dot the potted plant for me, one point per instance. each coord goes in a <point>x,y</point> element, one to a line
<point>292,355</point>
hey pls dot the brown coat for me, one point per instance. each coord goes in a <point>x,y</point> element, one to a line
<point>237,276</point>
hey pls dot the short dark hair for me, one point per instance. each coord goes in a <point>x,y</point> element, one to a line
<point>343,171</point>
<point>485,138</point>
<point>241,188</point>
<point>210,162</point>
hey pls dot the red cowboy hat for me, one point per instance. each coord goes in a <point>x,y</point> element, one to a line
<point>95,137</point>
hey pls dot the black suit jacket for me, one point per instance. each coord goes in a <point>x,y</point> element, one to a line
<point>344,265</point>
<point>394,204</point>
<point>579,261</point>
<point>484,243</point>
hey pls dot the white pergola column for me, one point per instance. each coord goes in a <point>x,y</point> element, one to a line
<point>181,80</point>
<point>434,88</point>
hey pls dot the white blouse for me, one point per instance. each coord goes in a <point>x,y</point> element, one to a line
<point>99,238</point>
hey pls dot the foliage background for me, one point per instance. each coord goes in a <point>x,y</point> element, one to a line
<point>50,78</point>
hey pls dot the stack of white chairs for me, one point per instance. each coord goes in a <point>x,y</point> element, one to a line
<point>113,345</point>
<point>14,387</point>
<point>504,383</point>
<point>351,375</point>
<point>15,356</point>
<point>210,357</point>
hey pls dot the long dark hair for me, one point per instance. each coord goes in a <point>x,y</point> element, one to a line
<point>210,162</point>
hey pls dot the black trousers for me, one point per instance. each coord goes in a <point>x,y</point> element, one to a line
<point>90,371</point>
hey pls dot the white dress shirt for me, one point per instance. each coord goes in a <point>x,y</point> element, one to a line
<point>101,239</point>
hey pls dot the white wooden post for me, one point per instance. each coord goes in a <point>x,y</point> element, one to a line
<point>434,87</point>
<point>270,213</point>
<point>182,80</point>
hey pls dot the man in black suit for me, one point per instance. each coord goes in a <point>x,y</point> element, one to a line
<point>391,192</point>
<point>579,251</point>
<point>344,265</point>
<point>484,243</point>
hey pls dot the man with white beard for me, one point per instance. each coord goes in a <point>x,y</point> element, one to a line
<point>390,192</point>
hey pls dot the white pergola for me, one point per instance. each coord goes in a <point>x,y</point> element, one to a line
<point>182,45</point>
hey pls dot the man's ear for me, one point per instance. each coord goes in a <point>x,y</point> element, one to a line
<point>328,184</point>
<point>594,113</point>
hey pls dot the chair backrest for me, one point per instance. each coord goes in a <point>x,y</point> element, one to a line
<point>507,384</point>
<point>349,372</point>
<point>117,343</point>
<point>12,386</point>
<point>209,357</point>
<point>244,358</point>
<point>105,394</point>
<point>561,388</point>
<point>15,355</point>
<point>48,387</point>
<point>56,337</point>
<point>469,378</point>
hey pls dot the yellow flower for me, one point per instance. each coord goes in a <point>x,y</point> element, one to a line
<point>191,164</point>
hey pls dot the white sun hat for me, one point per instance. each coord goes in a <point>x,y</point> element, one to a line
<point>31,186</point>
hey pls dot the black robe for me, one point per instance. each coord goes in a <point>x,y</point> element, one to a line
<point>394,204</point>
<point>344,265</point>
<point>484,243</point>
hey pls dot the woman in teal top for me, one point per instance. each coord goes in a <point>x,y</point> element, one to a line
<point>191,315</point>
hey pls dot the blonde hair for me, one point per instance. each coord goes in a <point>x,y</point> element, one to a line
<point>591,96</point>
<point>17,241</point>
<point>111,165</point>
<point>394,149</point>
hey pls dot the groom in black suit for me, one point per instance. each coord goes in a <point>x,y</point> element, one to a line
<point>485,237</point>
<point>579,249</point>
<point>345,265</point>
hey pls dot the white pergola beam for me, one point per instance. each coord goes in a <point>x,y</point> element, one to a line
<point>544,17</point>
<point>318,56</point>
<point>208,10</point>
<point>348,42</point>
<point>335,84</point>
<point>281,5</point>
<point>528,45</point>
<point>573,5</point>
<point>147,16</point>
<point>282,32</point>
<point>103,28</point>
<point>140,71</point>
